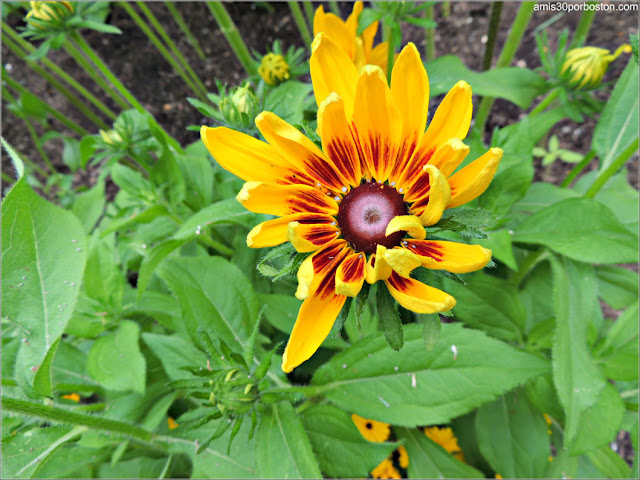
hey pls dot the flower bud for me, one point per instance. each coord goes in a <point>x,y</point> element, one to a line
<point>241,107</point>
<point>45,11</point>
<point>235,394</point>
<point>111,137</point>
<point>584,67</point>
<point>274,69</point>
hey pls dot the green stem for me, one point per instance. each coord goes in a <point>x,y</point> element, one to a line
<point>583,27</point>
<point>10,181</point>
<point>54,113</point>
<point>86,48</point>
<point>546,101</point>
<point>388,37</point>
<point>335,9</point>
<point>60,72</point>
<point>32,132</point>
<point>430,35</point>
<point>509,49</point>
<point>492,34</point>
<point>446,9</point>
<point>59,415</point>
<point>177,16</point>
<point>222,248</point>
<point>298,17</point>
<point>611,170</point>
<point>174,49</point>
<point>575,171</point>
<point>230,32</point>
<point>73,99</point>
<point>88,67</point>
<point>309,13</point>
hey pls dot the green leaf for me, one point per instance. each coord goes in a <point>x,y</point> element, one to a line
<point>540,195</point>
<point>116,353</point>
<point>104,281</point>
<point>283,449</point>
<point>518,85</point>
<point>599,423</point>
<point>617,286</point>
<point>427,459</point>
<point>415,387</point>
<point>145,216</point>
<point>88,206</point>
<point>214,295</point>
<point>389,322</point>
<point>225,211</point>
<point>42,382</point>
<point>609,463</point>
<point>341,450</point>
<point>499,242</point>
<point>618,124</point>
<point>432,326</point>
<point>581,229</point>
<point>489,303</point>
<point>131,181</point>
<point>15,158</point>
<point>156,255</point>
<point>287,100</point>
<point>619,351</point>
<point>21,451</point>
<point>43,259</point>
<point>174,353</point>
<point>576,377</point>
<point>512,436</point>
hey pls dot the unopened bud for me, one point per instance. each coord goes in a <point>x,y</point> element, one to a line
<point>584,67</point>
<point>274,69</point>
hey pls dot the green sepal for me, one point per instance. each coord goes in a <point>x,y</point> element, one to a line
<point>223,426</point>
<point>254,423</point>
<point>389,322</point>
<point>263,368</point>
<point>236,428</point>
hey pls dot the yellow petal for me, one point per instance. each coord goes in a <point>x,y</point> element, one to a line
<point>332,71</point>
<point>379,56</point>
<point>402,261</point>
<point>333,26</point>
<point>371,430</point>
<point>449,156</point>
<point>350,275</point>
<point>410,92</point>
<point>269,233</point>
<point>352,19</point>
<point>282,200</point>
<point>313,268</point>
<point>408,223</point>
<point>377,268</point>
<point>337,141</point>
<point>452,118</point>
<point>249,158</point>
<point>431,207</point>
<point>368,36</point>
<point>473,180</point>
<point>450,256</point>
<point>299,151</point>
<point>377,123</point>
<point>309,237</point>
<point>417,296</point>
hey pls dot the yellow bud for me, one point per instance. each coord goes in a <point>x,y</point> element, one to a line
<point>584,67</point>
<point>111,137</point>
<point>274,69</point>
<point>44,10</point>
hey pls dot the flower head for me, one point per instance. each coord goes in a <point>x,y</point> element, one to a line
<point>360,203</point>
<point>385,470</point>
<point>48,11</point>
<point>372,430</point>
<point>584,67</point>
<point>359,48</point>
<point>274,69</point>
<point>445,437</point>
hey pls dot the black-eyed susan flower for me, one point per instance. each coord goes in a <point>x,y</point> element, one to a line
<point>171,423</point>
<point>386,469</point>
<point>372,430</point>
<point>359,48</point>
<point>361,202</point>
<point>403,457</point>
<point>48,10</point>
<point>274,69</point>
<point>74,397</point>
<point>584,67</point>
<point>445,437</point>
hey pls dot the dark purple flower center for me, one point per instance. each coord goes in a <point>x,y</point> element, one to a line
<point>364,214</point>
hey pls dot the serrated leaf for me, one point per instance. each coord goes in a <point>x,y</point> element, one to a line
<point>43,259</point>
<point>415,387</point>
<point>283,449</point>
<point>174,352</point>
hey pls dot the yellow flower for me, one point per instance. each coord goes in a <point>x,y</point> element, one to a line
<point>585,66</point>
<point>403,458</point>
<point>44,11</point>
<point>372,430</point>
<point>359,48</point>
<point>110,137</point>
<point>274,69</point>
<point>385,470</point>
<point>171,423</point>
<point>446,439</point>
<point>74,397</point>
<point>378,178</point>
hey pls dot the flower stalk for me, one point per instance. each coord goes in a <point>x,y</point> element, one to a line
<point>230,32</point>
<point>298,17</point>
<point>575,171</point>
<point>492,34</point>
<point>611,170</point>
<point>584,25</point>
<point>387,36</point>
<point>430,35</point>
<point>177,16</point>
<point>334,7</point>
<point>174,49</point>
<point>511,45</point>
<point>546,101</point>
